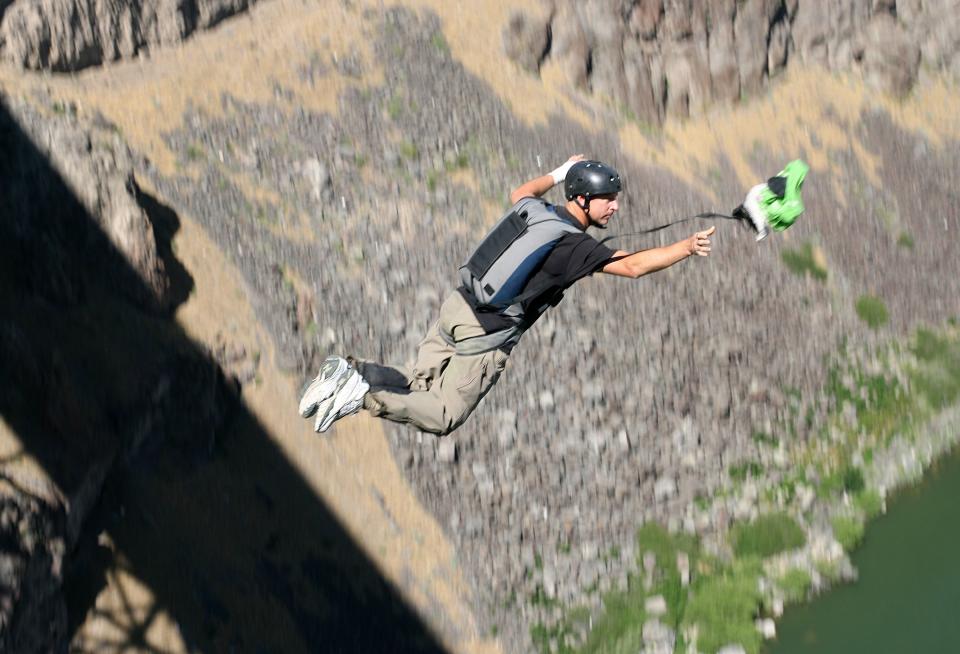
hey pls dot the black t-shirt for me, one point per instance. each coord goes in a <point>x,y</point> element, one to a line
<point>574,257</point>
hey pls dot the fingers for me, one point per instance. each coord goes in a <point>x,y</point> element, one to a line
<point>576,157</point>
<point>701,242</point>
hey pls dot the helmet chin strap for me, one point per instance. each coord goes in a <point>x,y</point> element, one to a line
<point>586,212</point>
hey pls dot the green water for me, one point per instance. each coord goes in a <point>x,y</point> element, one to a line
<point>907,598</point>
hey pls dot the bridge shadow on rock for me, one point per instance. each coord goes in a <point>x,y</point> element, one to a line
<point>212,538</point>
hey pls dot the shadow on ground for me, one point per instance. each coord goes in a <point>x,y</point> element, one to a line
<point>198,505</point>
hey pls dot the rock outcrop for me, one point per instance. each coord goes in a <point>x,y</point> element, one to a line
<point>653,59</point>
<point>97,165</point>
<point>91,371</point>
<point>67,35</point>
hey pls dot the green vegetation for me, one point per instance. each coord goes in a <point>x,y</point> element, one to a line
<point>802,261</point>
<point>829,570</point>
<point>848,531</point>
<point>795,584</point>
<point>459,163</point>
<point>408,150</point>
<point>721,600</point>
<point>872,311</point>
<point>849,479</point>
<point>762,437</point>
<point>723,607</point>
<point>938,378</point>
<point>766,536</point>
<point>870,503</point>
<point>539,598</point>
<point>905,241</point>
<point>741,471</point>
<point>542,637</point>
<point>620,626</point>
<point>886,404</point>
<point>853,481</point>
<point>194,151</point>
<point>432,178</point>
<point>665,547</point>
<point>440,43</point>
<point>395,106</point>
<point>882,403</point>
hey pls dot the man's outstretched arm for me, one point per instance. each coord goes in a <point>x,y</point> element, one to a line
<point>643,262</point>
<point>540,185</point>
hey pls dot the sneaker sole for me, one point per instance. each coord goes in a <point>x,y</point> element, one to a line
<point>320,389</point>
<point>345,402</point>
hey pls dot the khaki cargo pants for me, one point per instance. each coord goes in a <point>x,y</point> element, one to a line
<point>444,387</point>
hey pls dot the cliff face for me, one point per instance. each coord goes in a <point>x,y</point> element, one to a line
<point>87,281</point>
<point>654,59</point>
<point>624,404</point>
<point>67,35</point>
<point>630,399</point>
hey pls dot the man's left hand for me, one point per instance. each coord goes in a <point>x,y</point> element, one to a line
<point>699,243</point>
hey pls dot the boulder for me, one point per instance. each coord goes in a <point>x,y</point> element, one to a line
<point>98,166</point>
<point>655,606</point>
<point>447,450</point>
<point>665,488</point>
<point>890,57</point>
<point>526,40</point>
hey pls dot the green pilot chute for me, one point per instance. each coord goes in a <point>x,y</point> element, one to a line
<point>776,204</point>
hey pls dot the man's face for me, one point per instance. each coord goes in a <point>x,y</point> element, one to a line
<point>602,208</point>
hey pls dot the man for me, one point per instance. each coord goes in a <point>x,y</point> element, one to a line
<point>520,269</point>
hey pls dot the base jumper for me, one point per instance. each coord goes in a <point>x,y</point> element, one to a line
<point>518,271</point>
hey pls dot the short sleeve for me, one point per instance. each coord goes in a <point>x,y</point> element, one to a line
<point>586,256</point>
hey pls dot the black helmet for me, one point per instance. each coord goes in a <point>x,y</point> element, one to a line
<point>589,179</point>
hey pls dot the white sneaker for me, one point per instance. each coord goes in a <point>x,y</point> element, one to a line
<point>347,401</point>
<point>757,216</point>
<point>324,386</point>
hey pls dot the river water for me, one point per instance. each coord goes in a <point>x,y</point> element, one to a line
<point>907,598</point>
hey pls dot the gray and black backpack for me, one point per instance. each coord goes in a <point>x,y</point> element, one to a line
<point>497,272</point>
